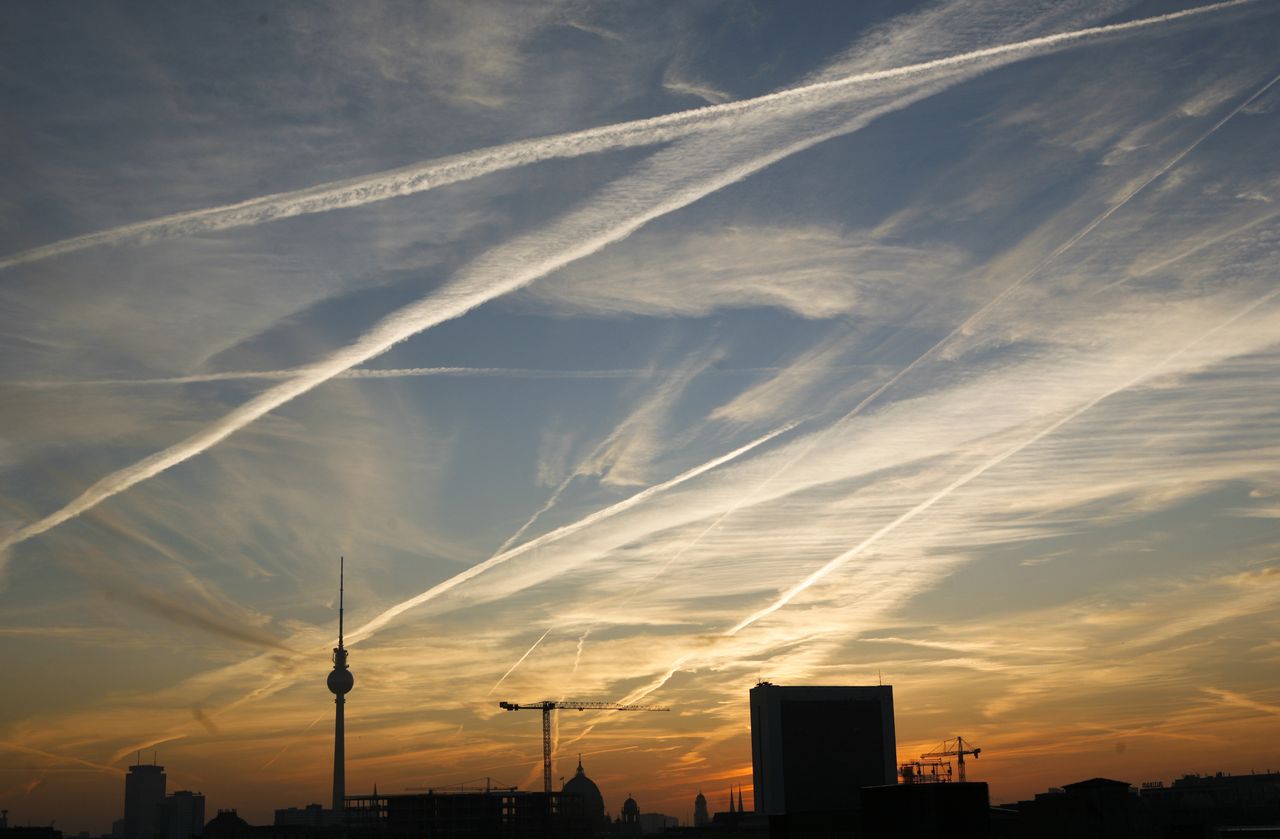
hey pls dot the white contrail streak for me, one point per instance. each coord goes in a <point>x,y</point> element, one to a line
<point>519,661</point>
<point>982,469</point>
<point>972,320</point>
<point>355,373</point>
<point>393,373</point>
<point>455,169</point>
<point>623,209</point>
<point>435,591</point>
<point>550,502</point>
<point>577,656</point>
<point>1197,247</point>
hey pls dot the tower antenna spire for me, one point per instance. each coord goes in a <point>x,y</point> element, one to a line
<point>340,684</point>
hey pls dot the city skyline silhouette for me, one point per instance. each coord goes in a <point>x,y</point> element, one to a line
<point>636,355</point>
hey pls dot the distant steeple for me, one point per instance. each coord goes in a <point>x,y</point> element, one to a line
<point>731,798</point>
<point>740,810</point>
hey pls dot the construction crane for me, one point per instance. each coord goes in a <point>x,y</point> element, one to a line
<point>546,706</point>
<point>958,751</point>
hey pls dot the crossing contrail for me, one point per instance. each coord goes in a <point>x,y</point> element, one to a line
<point>559,533</point>
<point>833,564</point>
<point>668,182</point>
<point>395,373</point>
<point>621,209</point>
<point>520,661</point>
<point>355,373</point>
<point>410,180</point>
<point>972,320</point>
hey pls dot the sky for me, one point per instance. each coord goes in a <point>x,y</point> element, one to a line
<point>633,352</point>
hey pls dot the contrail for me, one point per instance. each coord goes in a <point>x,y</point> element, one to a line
<point>355,373</point>
<point>1197,247</point>
<point>633,201</point>
<point>550,502</point>
<point>977,316</point>
<point>559,490</point>
<point>435,591</point>
<point>983,468</point>
<point>389,373</point>
<point>428,175</point>
<point>520,660</point>
<point>834,564</point>
<point>624,207</point>
<point>577,657</point>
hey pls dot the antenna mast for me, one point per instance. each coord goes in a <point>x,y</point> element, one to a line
<point>340,683</point>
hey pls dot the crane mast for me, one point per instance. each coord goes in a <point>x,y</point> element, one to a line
<point>958,751</point>
<point>546,706</point>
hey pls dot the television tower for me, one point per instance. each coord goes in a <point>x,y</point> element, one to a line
<point>340,683</point>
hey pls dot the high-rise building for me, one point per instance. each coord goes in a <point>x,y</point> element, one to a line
<point>700,815</point>
<point>143,792</point>
<point>814,748</point>
<point>340,683</point>
<point>181,815</point>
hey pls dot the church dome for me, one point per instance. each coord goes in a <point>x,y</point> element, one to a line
<point>630,809</point>
<point>586,789</point>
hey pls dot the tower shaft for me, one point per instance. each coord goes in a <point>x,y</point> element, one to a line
<point>339,756</point>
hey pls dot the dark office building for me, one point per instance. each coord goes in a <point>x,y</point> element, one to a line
<point>143,794</point>
<point>926,811</point>
<point>814,748</point>
<point>181,815</point>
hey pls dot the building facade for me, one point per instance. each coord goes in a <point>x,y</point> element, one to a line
<point>143,794</point>
<point>813,748</point>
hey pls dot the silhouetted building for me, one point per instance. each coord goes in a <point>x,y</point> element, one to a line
<point>654,823</point>
<point>495,814</point>
<point>32,832</point>
<point>226,825</point>
<point>814,748</point>
<point>926,811</point>
<point>313,815</point>
<point>1197,806</point>
<point>700,814</point>
<point>591,802</point>
<point>181,815</point>
<point>42,832</point>
<point>1099,808</point>
<point>629,819</point>
<point>143,793</point>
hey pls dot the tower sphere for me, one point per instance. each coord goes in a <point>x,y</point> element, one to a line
<point>341,681</point>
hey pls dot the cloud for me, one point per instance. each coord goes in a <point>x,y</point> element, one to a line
<point>814,272</point>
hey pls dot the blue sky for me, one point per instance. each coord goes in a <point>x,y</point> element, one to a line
<point>696,343</point>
